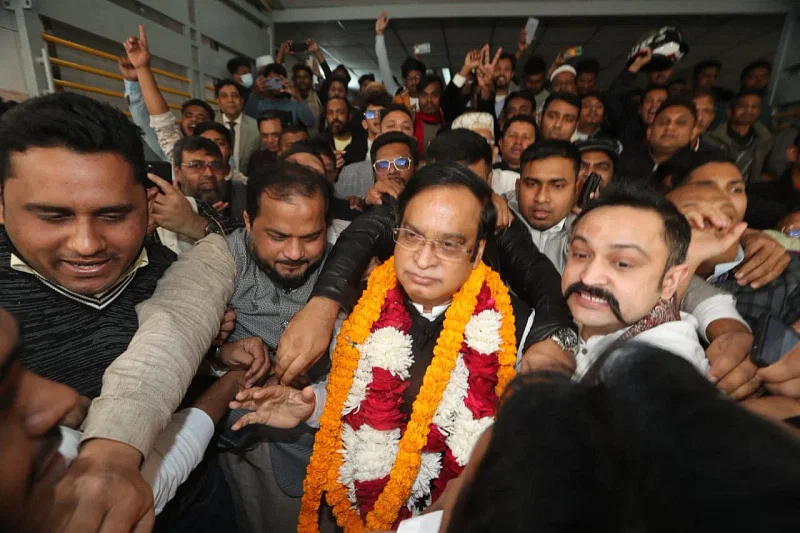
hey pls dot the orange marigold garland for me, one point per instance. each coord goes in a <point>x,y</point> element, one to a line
<point>326,461</point>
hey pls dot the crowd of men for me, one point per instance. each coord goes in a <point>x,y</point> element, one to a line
<point>167,340</point>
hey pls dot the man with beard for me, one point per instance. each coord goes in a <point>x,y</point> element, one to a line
<point>559,117</point>
<point>621,280</point>
<point>347,142</point>
<point>592,118</point>
<point>429,119</point>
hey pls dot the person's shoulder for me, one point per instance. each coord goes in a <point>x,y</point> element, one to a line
<point>159,256</point>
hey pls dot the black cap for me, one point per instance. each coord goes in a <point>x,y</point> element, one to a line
<point>602,144</point>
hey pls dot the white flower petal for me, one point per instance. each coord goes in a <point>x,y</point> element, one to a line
<point>482,332</point>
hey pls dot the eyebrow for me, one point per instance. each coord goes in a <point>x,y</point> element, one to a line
<point>443,237</point>
<point>288,235</point>
<point>735,181</point>
<point>619,246</point>
<point>119,208</point>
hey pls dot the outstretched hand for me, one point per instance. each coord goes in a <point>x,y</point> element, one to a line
<point>278,406</point>
<point>382,23</point>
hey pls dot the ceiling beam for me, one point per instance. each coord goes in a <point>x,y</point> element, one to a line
<point>548,8</point>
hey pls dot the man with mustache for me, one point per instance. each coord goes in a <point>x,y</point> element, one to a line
<point>347,142</point>
<point>621,281</point>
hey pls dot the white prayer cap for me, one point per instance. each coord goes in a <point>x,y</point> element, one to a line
<point>263,61</point>
<point>563,68</point>
<point>474,120</point>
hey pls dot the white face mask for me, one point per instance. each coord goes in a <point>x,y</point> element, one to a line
<point>247,80</point>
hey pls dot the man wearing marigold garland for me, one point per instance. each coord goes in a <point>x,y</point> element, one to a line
<point>418,365</point>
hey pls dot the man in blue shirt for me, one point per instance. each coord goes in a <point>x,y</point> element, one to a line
<point>274,92</point>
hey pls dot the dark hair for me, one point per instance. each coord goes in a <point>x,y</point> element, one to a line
<point>308,146</point>
<point>451,174</point>
<point>508,57</point>
<point>294,128</point>
<point>588,65</point>
<point>321,147</point>
<point>548,148</point>
<point>72,121</point>
<point>535,65</point>
<point>365,77</point>
<point>746,92</point>
<point>396,107</point>
<point>525,95</point>
<point>691,161</point>
<point>410,64</point>
<point>344,73</point>
<point>429,79</point>
<point>199,103</point>
<point>283,180</point>
<point>701,92</point>
<point>376,98</point>
<point>193,143</point>
<point>594,94</point>
<point>215,126</point>
<point>653,87</point>
<point>460,145</point>
<point>522,118</point>
<point>394,137</point>
<point>604,144</point>
<point>302,66</point>
<point>570,98</point>
<point>338,79</point>
<point>270,114</point>
<point>758,63</point>
<point>678,101</point>
<point>335,98</point>
<point>236,62</point>
<point>274,68</point>
<point>704,64</point>
<point>677,233</point>
<point>225,83</point>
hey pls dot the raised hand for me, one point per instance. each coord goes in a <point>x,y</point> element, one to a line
<point>137,50</point>
<point>313,47</point>
<point>278,406</point>
<point>641,60</point>
<point>522,42</point>
<point>764,260</point>
<point>127,69</point>
<point>172,211</point>
<point>392,188</point>
<point>471,61</point>
<point>382,23</point>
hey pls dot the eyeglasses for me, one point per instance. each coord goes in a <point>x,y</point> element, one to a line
<point>199,166</point>
<point>399,163</point>
<point>372,114</point>
<point>413,241</point>
<point>792,231</point>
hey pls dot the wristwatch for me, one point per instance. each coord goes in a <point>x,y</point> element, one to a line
<point>566,339</point>
<point>213,227</point>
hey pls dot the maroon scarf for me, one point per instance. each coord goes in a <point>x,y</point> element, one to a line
<point>419,130</point>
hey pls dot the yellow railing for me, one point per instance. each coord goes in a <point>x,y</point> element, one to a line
<point>100,72</point>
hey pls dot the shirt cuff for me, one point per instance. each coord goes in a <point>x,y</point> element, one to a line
<point>714,308</point>
<point>132,88</point>
<point>459,80</point>
<point>320,395</point>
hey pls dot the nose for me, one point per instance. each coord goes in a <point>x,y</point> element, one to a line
<point>85,241</point>
<point>542,195</point>
<point>45,402</point>
<point>593,274</point>
<point>425,257</point>
<point>293,250</point>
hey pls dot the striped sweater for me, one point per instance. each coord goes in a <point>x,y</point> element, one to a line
<point>68,340</point>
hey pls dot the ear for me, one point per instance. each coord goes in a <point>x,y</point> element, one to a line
<point>495,151</point>
<point>516,187</point>
<point>2,208</point>
<point>246,218</point>
<point>672,280</point>
<point>365,125</point>
<point>479,255</point>
<point>792,154</point>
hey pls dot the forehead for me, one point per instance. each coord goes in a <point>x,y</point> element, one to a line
<point>504,61</point>
<point>305,213</point>
<point>595,156</point>
<point>270,125</point>
<point>675,111</point>
<point>393,148</point>
<point>550,167</point>
<point>564,76</point>
<point>750,99</point>
<point>228,89</point>
<point>307,160</point>
<point>195,110</point>
<point>293,135</point>
<point>214,135</point>
<point>591,100</point>
<point>601,228</point>
<point>655,94</point>
<point>337,104</point>
<point>560,106</point>
<point>301,72</point>
<point>586,75</point>
<point>720,171</point>
<point>198,154</point>
<point>692,193</point>
<point>374,107</point>
<point>338,83</point>
<point>444,210</point>
<point>519,101</point>
<point>432,88</point>
<point>758,71</point>
<point>520,126</point>
<point>703,100</point>
<point>396,116</point>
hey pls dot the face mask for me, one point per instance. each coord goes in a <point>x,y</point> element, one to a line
<point>247,80</point>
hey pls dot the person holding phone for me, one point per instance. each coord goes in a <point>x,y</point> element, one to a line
<point>274,92</point>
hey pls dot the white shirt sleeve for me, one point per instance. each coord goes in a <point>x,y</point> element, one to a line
<point>459,80</point>
<point>426,523</point>
<point>167,131</point>
<point>177,451</point>
<point>320,395</point>
<point>707,303</point>
<point>383,65</point>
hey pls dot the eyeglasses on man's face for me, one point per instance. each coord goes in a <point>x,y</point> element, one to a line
<point>443,249</point>
<point>199,166</point>
<point>399,163</point>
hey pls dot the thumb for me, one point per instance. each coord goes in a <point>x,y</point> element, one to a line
<point>788,367</point>
<point>307,394</point>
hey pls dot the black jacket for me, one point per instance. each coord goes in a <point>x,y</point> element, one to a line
<point>622,110</point>
<point>769,201</point>
<point>527,271</point>
<point>357,149</point>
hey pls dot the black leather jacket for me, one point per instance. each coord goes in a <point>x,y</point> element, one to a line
<point>527,271</point>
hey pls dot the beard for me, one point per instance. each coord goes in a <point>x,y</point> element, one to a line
<point>284,282</point>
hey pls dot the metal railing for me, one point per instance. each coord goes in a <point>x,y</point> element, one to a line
<point>55,82</point>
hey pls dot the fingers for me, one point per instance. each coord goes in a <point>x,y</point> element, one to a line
<point>789,388</point>
<point>165,186</point>
<point>740,376</point>
<point>250,418</point>
<point>296,367</point>
<point>142,35</point>
<point>786,369</point>
<point>765,262</point>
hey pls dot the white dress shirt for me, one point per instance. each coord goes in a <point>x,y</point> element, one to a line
<point>237,132</point>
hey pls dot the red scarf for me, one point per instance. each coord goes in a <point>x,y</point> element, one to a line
<point>419,130</point>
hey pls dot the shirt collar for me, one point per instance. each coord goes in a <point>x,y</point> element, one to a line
<point>98,301</point>
<point>722,269</point>
<point>435,311</point>
<point>235,122</point>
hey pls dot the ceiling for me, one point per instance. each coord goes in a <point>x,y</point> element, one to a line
<point>734,40</point>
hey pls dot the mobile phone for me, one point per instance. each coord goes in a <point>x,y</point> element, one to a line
<point>162,169</point>
<point>301,46</point>
<point>530,29</point>
<point>421,49</point>
<point>773,339</point>
<point>590,186</point>
<point>575,51</point>
<point>274,84</point>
